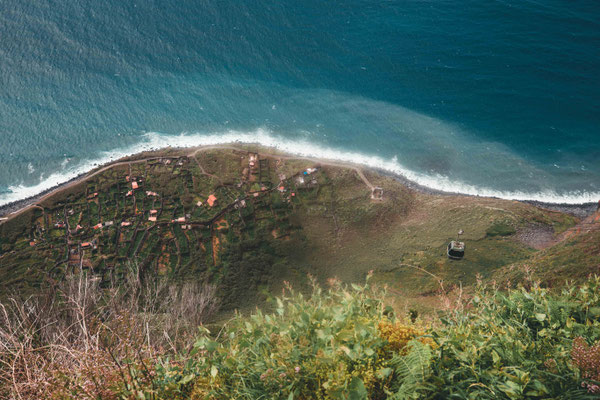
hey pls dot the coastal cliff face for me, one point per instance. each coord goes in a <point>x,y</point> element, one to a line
<point>247,222</point>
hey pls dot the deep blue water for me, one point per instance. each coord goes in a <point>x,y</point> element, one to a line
<point>489,97</point>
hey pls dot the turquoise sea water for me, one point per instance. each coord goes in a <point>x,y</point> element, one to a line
<point>483,97</point>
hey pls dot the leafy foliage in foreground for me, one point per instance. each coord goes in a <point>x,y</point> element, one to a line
<point>343,343</point>
<point>333,344</point>
<point>516,345</point>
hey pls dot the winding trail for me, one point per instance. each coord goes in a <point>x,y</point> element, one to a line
<point>587,225</point>
<point>35,200</point>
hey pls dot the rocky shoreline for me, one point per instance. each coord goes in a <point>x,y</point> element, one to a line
<point>7,210</point>
<point>577,210</point>
<point>19,205</point>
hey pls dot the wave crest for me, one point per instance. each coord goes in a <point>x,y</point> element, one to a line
<point>263,137</point>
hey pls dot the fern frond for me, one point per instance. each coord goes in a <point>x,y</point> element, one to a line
<point>411,370</point>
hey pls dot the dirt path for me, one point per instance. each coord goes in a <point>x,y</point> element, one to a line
<point>589,224</point>
<point>542,236</point>
<point>68,185</point>
<point>364,178</point>
<point>35,200</point>
<point>202,170</point>
<point>290,157</point>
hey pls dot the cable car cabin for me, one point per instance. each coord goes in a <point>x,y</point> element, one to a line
<point>456,250</point>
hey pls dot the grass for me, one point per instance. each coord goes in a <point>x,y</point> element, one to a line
<point>332,229</point>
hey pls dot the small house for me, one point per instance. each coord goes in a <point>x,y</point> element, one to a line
<point>377,193</point>
<point>153,212</point>
<point>86,245</point>
<point>152,219</point>
<point>134,185</point>
<point>125,223</point>
<point>98,226</point>
<point>211,200</point>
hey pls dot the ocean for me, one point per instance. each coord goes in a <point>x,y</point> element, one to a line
<point>497,98</point>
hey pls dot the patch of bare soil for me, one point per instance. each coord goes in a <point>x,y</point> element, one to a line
<point>538,236</point>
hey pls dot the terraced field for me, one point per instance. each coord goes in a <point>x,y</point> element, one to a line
<point>248,221</point>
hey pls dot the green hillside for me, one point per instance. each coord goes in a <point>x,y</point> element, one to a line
<point>273,221</point>
<point>146,280</point>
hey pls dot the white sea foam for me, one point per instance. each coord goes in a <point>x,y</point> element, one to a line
<point>303,148</point>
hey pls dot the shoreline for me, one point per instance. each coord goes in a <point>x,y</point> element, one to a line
<point>10,210</point>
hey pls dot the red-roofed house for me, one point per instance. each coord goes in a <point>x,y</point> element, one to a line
<point>86,245</point>
<point>153,212</point>
<point>97,226</point>
<point>125,223</point>
<point>152,219</point>
<point>211,200</point>
<point>134,185</point>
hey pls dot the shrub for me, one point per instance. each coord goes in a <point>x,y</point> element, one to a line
<point>500,229</point>
<point>516,344</point>
<point>333,344</point>
<point>342,343</point>
<point>336,343</point>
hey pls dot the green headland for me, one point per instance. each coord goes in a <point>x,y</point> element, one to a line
<point>199,274</point>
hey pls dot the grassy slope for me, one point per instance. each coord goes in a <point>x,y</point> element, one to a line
<point>338,231</point>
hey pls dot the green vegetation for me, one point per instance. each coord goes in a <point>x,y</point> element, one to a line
<point>323,223</point>
<point>132,333</point>
<point>501,229</point>
<point>346,343</point>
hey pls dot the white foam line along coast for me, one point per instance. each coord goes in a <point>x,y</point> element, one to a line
<point>262,137</point>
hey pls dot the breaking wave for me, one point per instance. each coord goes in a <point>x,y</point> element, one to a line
<point>263,137</point>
